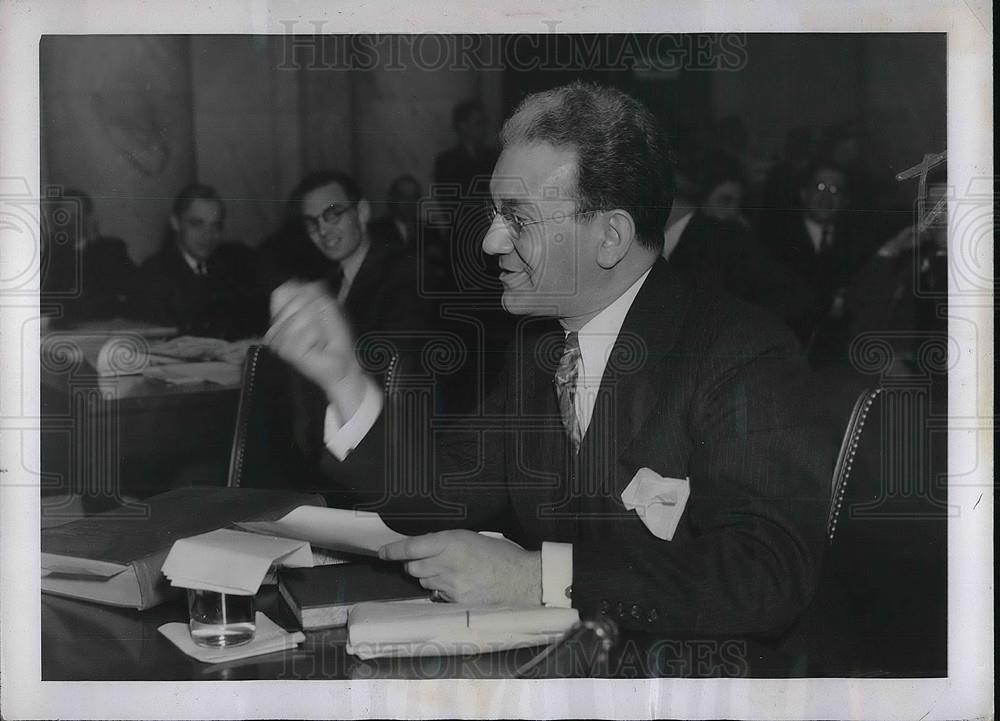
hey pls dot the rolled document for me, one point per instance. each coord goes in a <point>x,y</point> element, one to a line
<point>408,628</point>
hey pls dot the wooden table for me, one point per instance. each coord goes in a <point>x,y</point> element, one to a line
<point>106,437</point>
<point>83,641</point>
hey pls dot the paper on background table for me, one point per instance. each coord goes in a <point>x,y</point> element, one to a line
<point>339,529</point>
<point>268,638</point>
<point>225,374</point>
<point>231,561</point>
<point>408,629</point>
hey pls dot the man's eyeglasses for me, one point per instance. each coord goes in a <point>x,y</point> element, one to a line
<point>826,188</point>
<point>331,216</point>
<point>515,224</point>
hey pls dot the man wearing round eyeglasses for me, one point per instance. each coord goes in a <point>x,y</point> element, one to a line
<point>335,218</point>
<point>374,283</point>
<point>649,450</point>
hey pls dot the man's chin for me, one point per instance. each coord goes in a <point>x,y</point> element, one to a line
<point>517,302</point>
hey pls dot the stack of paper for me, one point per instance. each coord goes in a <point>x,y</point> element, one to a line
<point>339,529</point>
<point>268,638</point>
<point>230,561</point>
<point>410,628</point>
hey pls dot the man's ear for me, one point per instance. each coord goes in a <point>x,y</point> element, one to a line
<point>616,238</point>
<point>175,223</point>
<point>364,212</point>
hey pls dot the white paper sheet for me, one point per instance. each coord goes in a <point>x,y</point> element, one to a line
<point>338,529</point>
<point>231,561</point>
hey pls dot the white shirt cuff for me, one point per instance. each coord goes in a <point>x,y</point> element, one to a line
<point>342,438</point>
<point>557,574</point>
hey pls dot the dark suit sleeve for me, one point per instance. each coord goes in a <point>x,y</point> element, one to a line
<point>402,467</point>
<point>745,555</point>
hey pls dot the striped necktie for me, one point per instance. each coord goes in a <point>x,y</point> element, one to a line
<point>566,375</point>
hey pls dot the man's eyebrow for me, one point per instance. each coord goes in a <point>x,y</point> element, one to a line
<point>514,202</point>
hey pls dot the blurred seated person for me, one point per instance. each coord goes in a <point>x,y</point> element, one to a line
<point>85,275</point>
<point>900,290</point>
<point>472,158</point>
<point>781,186</point>
<point>375,282</point>
<point>288,252</point>
<point>196,282</point>
<point>400,226</point>
<point>403,228</point>
<point>709,238</point>
<point>821,244</point>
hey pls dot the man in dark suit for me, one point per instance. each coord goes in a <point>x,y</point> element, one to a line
<point>374,281</point>
<point>199,284</point>
<point>821,245</point>
<point>86,276</point>
<point>649,446</point>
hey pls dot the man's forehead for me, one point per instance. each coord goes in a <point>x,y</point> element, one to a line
<point>324,196</point>
<point>536,170</point>
<point>202,208</point>
<point>828,174</point>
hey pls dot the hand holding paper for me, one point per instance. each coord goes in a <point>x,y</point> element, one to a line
<point>471,568</point>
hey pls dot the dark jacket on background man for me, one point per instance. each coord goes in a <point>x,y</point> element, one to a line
<point>225,303</point>
<point>98,283</point>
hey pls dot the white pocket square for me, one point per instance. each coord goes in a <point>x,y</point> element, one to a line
<point>659,501</point>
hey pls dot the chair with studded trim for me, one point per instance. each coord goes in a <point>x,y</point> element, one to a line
<point>279,420</point>
<point>822,638</point>
<point>845,458</point>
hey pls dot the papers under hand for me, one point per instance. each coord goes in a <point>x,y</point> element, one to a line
<point>339,529</point>
<point>408,628</point>
<point>230,561</point>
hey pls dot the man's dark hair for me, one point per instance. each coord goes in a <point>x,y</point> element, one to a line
<point>817,163</point>
<point>623,160</point>
<point>395,187</point>
<point>196,191</point>
<point>321,178</point>
<point>717,169</point>
<point>465,110</point>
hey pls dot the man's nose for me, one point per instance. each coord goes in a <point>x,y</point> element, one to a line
<point>497,240</point>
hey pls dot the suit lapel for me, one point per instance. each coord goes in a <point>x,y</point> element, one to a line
<point>637,367</point>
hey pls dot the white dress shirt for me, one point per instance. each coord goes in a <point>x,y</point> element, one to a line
<point>815,231</point>
<point>672,235</point>
<point>597,338</point>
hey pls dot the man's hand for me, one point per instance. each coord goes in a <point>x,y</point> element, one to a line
<point>309,331</point>
<point>470,568</point>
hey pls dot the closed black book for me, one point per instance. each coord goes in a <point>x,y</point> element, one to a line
<point>321,597</point>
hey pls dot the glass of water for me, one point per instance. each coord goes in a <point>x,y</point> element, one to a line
<point>220,620</point>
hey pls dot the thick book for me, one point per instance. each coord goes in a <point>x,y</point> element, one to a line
<point>321,597</point>
<point>115,558</point>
